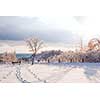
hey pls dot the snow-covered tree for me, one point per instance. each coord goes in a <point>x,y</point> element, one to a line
<point>34,45</point>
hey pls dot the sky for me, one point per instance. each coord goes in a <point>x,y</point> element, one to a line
<point>58,32</point>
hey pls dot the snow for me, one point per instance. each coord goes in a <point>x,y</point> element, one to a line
<point>50,73</point>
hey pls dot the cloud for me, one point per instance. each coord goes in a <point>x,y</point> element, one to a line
<point>80,19</point>
<point>59,30</point>
<point>49,29</point>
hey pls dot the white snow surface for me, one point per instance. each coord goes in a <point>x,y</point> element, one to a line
<point>50,73</point>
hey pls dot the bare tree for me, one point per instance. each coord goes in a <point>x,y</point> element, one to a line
<point>34,45</point>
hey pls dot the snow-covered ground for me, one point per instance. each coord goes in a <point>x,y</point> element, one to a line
<point>50,73</point>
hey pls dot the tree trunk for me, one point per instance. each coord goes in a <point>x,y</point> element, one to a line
<point>33,56</point>
<point>32,61</point>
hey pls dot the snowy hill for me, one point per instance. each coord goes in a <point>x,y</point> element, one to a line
<point>50,73</point>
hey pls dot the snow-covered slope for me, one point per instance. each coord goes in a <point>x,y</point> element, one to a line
<point>50,73</point>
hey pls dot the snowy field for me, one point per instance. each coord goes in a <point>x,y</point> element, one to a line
<point>50,73</point>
